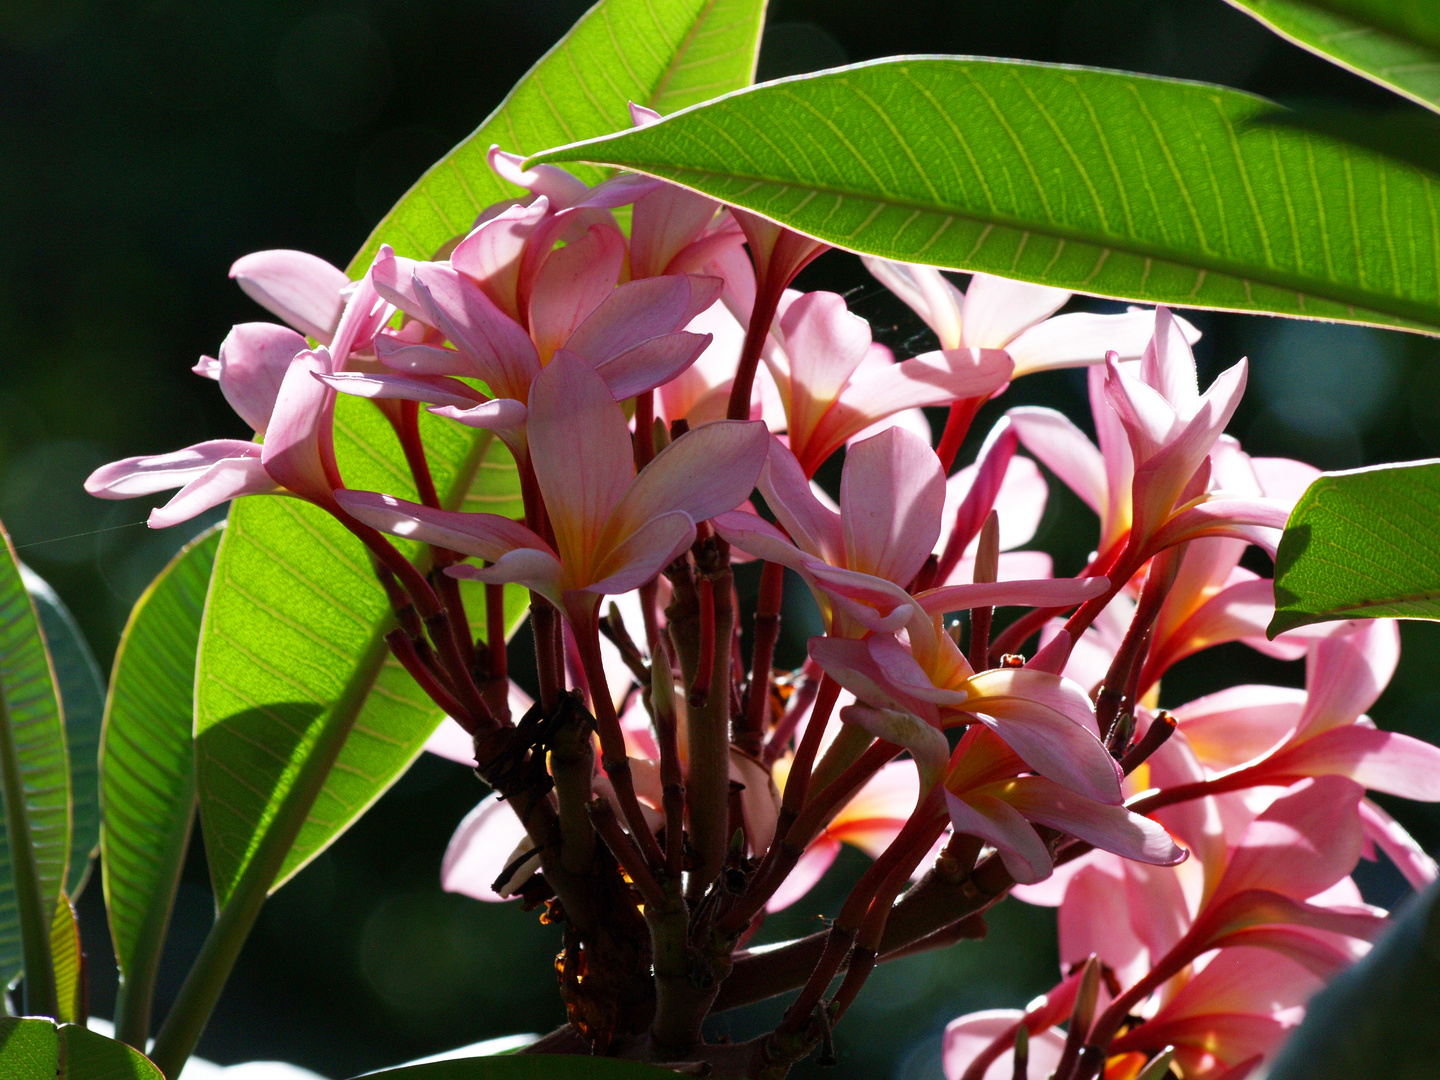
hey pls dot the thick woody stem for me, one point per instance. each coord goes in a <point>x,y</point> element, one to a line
<point>750,736</point>
<point>700,686</point>
<point>572,767</point>
<point>707,787</point>
<point>672,779</point>
<point>602,815</point>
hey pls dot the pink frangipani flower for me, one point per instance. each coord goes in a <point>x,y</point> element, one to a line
<point>613,529</point>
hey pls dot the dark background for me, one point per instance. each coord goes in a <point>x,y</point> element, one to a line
<point>145,146</point>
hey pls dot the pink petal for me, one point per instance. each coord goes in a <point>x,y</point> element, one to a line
<point>580,446</point>
<point>1346,673</point>
<point>530,567</point>
<point>420,359</point>
<point>1282,479</point>
<point>968,1036</point>
<point>225,480</point>
<point>437,389</point>
<point>999,481</point>
<point>1110,828</point>
<point>1084,338</point>
<point>1168,365</point>
<point>652,363</point>
<point>873,818</point>
<point>1064,450</point>
<point>452,742</point>
<point>998,309</point>
<point>640,310</point>
<point>824,344</point>
<point>881,675</point>
<point>891,493</point>
<point>704,473</point>
<point>484,536</point>
<point>643,553</point>
<point>1050,723</point>
<point>1240,611</point>
<point>498,349</point>
<point>997,822</point>
<point>759,802</point>
<point>500,415</point>
<point>753,535</point>
<point>1378,760</point>
<point>1256,521</point>
<point>663,223</point>
<point>253,360</point>
<point>484,844</point>
<point>1390,836</point>
<point>299,451</point>
<point>934,378</point>
<point>813,526</point>
<point>879,606</point>
<point>1240,723</point>
<point>490,255</point>
<point>1094,920</point>
<point>561,188</point>
<point>571,284</point>
<point>927,292</point>
<point>133,476</point>
<point>1204,1041</point>
<point>1307,840</point>
<point>1046,592</point>
<point>925,742</point>
<point>807,872</point>
<point>302,289</point>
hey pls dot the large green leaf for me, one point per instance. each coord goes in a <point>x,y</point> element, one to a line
<point>1119,185</point>
<point>35,1049</point>
<point>1378,1018</point>
<point>293,673</point>
<point>527,1067</point>
<point>82,697</point>
<point>147,766</point>
<point>1396,44</point>
<point>69,958</point>
<point>1361,544</point>
<point>36,736</point>
<point>666,55</point>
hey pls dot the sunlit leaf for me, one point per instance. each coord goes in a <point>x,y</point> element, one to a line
<point>35,1049</point>
<point>69,962</point>
<point>82,696</point>
<point>1100,182</point>
<point>1361,544</point>
<point>35,733</point>
<point>147,766</point>
<point>1394,44</point>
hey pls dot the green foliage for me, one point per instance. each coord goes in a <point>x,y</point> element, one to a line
<point>148,766</point>
<point>522,1067</point>
<point>69,962</point>
<point>1395,44</point>
<point>33,759</point>
<point>35,1049</point>
<point>82,697</point>
<point>665,55</point>
<point>1361,544</point>
<point>1377,1018</point>
<point>1120,185</point>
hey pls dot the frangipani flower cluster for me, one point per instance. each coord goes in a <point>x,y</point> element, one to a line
<point>669,398</point>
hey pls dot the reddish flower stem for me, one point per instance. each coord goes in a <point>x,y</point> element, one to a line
<point>767,300</point>
<point>750,737</point>
<point>644,429</point>
<point>408,431</point>
<point>957,426</point>
<point>404,650</point>
<point>700,687</point>
<point>801,700</point>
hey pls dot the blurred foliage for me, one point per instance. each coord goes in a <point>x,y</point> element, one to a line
<point>144,147</point>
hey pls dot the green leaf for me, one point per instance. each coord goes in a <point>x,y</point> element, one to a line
<point>1378,1017</point>
<point>82,699</point>
<point>1100,182</point>
<point>666,54</point>
<point>1394,44</point>
<point>1363,544</point>
<point>527,1067</point>
<point>32,753</point>
<point>35,1049</point>
<point>147,768</point>
<point>294,674</point>
<point>69,962</point>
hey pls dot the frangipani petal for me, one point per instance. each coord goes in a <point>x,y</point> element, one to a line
<point>484,536</point>
<point>431,389</point>
<point>644,553</point>
<point>572,283</point>
<point>1346,672</point>
<point>925,742</point>
<point>997,309</point>
<point>530,567</point>
<point>1064,450</point>
<point>1390,837</point>
<point>299,450</point>
<point>968,1036</point>
<point>225,480</point>
<point>302,289</point>
<point>485,842</point>
<point>815,527</point>
<point>1110,828</point>
<point>133,476</point>
<point>892,491</point>
<point>640,310</point>
<point>651,363</point>
<point>1084,338</point>
<point>997,822</point>
<point>817,859</point>
<point>253,360</point>
<point>706,472</point>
